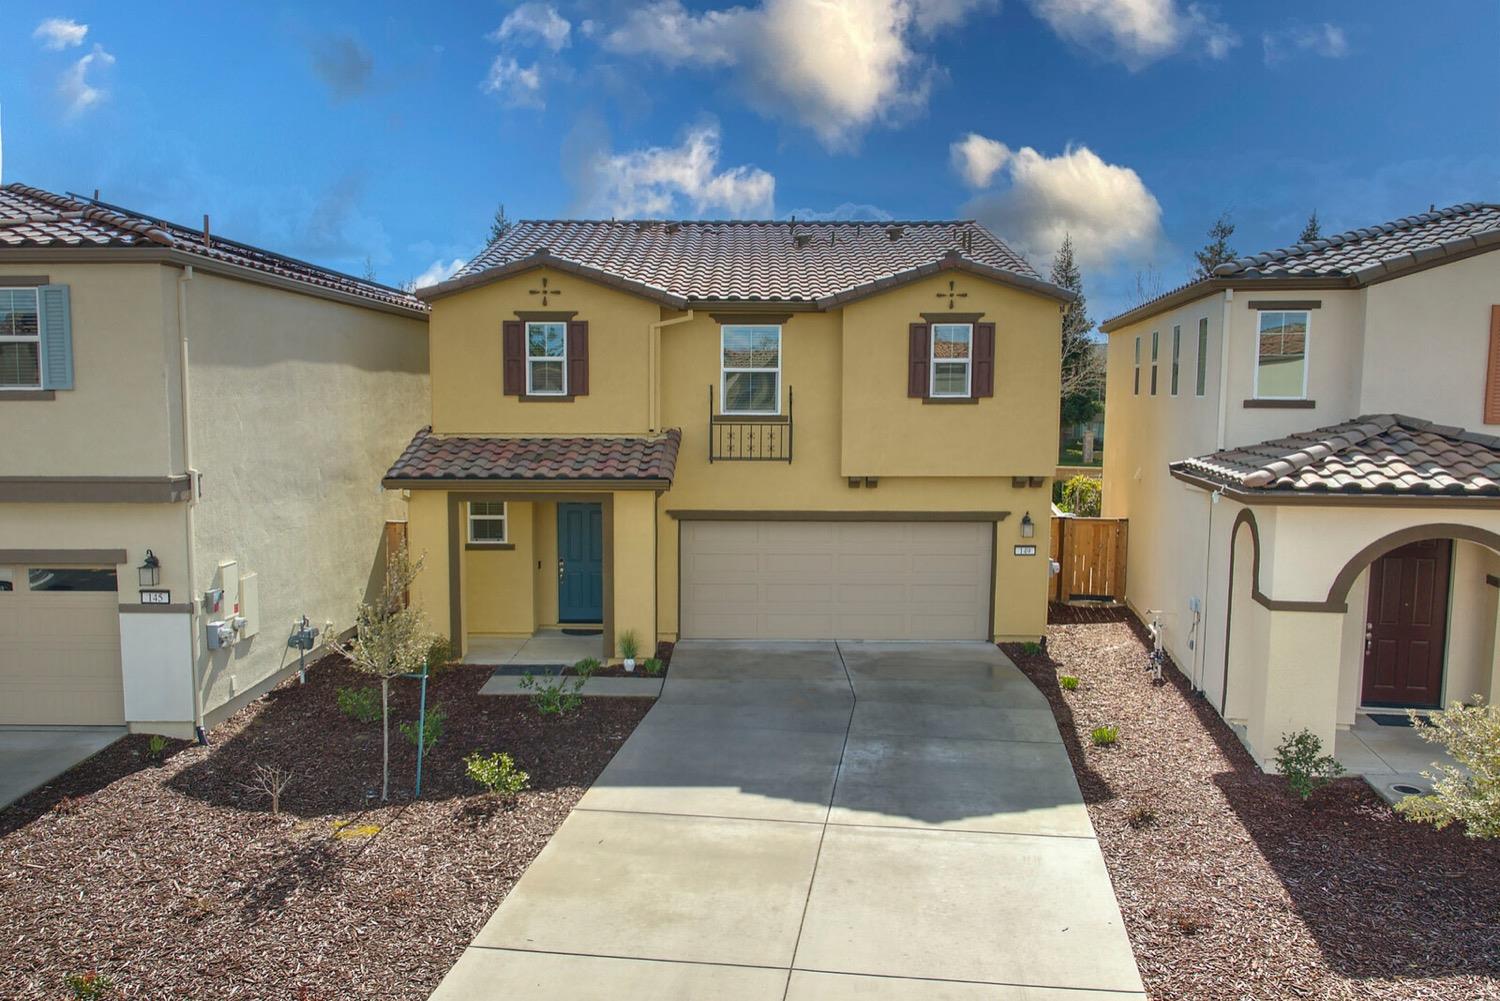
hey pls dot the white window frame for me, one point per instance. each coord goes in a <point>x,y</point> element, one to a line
<point>1155,359</point>
<point>725,371</point>
<point>503,517</point>
<point>1201,374</point>
<point>1306,354</point>
<point>530,359</point>
<point>36,339</point>
<point>932,364</point>
<point>1176,357</point>
<point>1137,365</point>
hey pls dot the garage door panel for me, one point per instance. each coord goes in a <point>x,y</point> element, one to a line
<point>796,566</point>
<point>59,656</point>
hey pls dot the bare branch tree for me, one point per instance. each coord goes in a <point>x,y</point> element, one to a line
<point>270,781</point>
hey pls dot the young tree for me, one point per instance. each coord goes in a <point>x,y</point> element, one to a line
<point>499,225</point>
<point>369,274</point>
<point>390,640</point>
<point>1217,250</point>
<point>1312,230</point>
<point>1082,364</point>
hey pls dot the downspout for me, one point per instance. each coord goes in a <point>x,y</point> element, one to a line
<point>1223,427</point>
<point>1221,435</point>
<point>192,473</point>
<point>653,355</point>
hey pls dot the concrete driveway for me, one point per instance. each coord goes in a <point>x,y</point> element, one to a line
<point>819,822</point>
<point>32,756</point>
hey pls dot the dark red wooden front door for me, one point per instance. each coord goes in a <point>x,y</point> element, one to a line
<point>1406,625</point>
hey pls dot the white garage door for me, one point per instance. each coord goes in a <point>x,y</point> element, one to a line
<point>836,580</point>
<point>60,646</point>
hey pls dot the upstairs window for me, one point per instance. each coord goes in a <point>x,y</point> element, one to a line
<point>1155,353</point>
<point>751,369</point>
<point>1137,366</point>
<point>487,522</point>
<point>1202,355</point>
<point>546,359</point>
<point>1176,354</point>
<point>20,339</point>
<point>951,358</point>
<point>1281,356</point>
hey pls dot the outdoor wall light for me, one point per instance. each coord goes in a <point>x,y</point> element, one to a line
<point>1028,527</point>
<point>149,570</point>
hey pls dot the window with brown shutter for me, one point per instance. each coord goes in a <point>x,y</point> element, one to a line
<point>983,383</point>
<point>513,357</point>
<point>917,360</point>
<point>578,358</point>
<point>1492,376</point>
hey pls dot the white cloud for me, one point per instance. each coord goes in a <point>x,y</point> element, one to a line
<point>58,33</point>
<point>977,157</point>
<point>540,21</point>
<point>1326,40</point>
<point>665,181</point>
<point>516,85</point>
<point>842,212</point>
<point>438,271</point>
<point>837,68</point>
<point>76,90</point>
<point>1136,32</point>
<point>1105,207</point>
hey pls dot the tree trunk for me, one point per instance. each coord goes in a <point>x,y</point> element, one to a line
<point>385,727</point>
<point>1088,444</point>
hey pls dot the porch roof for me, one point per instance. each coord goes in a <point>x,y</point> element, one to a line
<point>435,458</point>
<point>1371,457</point>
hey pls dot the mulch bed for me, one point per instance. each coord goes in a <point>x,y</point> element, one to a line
<point>173,878</point>
<point>1231,887</point>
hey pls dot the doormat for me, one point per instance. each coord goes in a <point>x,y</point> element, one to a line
<point>1391,719</point>
<point>583,632</point>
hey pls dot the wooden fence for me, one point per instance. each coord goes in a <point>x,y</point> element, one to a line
<point>1091,552</point>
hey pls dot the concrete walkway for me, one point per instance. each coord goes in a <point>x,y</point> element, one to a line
<point>819,822</point>
<point>32,756</point>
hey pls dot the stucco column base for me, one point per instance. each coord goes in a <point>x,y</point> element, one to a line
<point>1301,686</point>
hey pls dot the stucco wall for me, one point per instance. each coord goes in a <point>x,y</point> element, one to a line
<point>499,598</point>
<point>1471,625</point>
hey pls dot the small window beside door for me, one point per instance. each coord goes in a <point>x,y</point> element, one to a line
<point>487,523</point>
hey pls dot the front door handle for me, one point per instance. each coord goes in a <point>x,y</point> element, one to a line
<point>562,565</point>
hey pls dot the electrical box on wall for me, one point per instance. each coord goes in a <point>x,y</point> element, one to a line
<point>228,580</point>
<point>249,605</point>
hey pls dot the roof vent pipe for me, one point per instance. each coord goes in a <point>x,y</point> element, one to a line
<point>208,242</point>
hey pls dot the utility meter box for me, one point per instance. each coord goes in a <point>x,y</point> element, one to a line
<point>219,634</point>
<point>249,605</point>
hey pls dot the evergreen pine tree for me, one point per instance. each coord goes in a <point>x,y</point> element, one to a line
<point>499,225</point>
<point>1082,362</point>
<point>1312,231</point>
<point>1217,250</point>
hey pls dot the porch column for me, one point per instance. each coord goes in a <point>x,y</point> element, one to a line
<point>633,571</point>
<point>1301,689</point>
<point>1494,691</point>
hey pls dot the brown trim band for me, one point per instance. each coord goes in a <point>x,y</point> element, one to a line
<point>24,281</point>
<point>1247,517</point>
<point>545,398</point>
<point>1285,303</point>
<point>750,419</point>
<point>95,489</point>
<point>701,515</point>
<point>63,556</point>
<point>545,316</point>
<point>15,395</point>
<point>1492,580</point>
<point>952,317</point>
<point>750,319</point>
<point>495,546</point>
<point>523,487</point>
<point>1280,404</point>
<point>175,608</point>
<point>1336,498</point>
<point>943,400</point>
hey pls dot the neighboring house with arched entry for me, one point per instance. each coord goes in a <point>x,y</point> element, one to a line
<point>1308,578</point>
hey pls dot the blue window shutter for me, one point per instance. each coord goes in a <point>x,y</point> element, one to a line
<point>57,337</point>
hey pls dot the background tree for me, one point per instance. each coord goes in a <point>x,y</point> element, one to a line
<point>1082,362</point>
<point>390,639</point>
<point>499,225</point>
<point>1312,230</point>
<point>1217,250</point>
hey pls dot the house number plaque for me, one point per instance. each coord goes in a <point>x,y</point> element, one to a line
<point>1026,550</point>
<point>156,596</point>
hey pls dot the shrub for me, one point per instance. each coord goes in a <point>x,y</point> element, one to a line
<point>88,986</point>
<point>1300,759</point>
<point>431,728</point>
<point>586,667</point>
<point>1104,736</point>
<point>557,696</point>
<point>1471,734</point>
<point>1083,496</point>
<point>270,781</point>
<point>439,654</point>
<point>652,666</point>
<point>361,704</point>
<point>156,746</point>
<point>1068,682</point>
<point>629,645</point>
<point>1140,817</point>
<point>497,773</point>
<point>1031,648</point>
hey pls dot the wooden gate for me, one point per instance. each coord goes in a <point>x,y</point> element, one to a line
<point>1091,552</point>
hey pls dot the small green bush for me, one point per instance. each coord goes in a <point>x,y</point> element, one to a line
<point>1068,682</point>
<point>88,986</point>
<point>156,746</point>
<point>557,696</point>
<point>1082,496</point>
<point>362,704</point>
<point>439,654</point>
<point>587,667</point>
<point>1031,648</point>
<point>1104,736</point>
<point>652,666</point>
<point>1471,734</point>
<point>497,773</point>
<point>1301,761</point>
<point>629,645</point>
<point>431,730</point>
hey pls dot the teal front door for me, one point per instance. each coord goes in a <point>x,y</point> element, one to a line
<point>580,570</point>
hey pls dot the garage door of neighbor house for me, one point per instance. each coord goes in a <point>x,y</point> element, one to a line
<point>920,580</point>
<point>60,646</point>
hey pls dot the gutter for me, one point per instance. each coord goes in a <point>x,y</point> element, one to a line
<point>653,360</point>
<point>193,484</point>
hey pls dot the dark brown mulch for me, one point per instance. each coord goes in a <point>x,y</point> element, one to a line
<point>1232,888</point>
<point>1060,613</point>
<point>174,879</point>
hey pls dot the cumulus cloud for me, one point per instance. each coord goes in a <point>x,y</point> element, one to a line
<point>58,33</point>
<point>438,271</point>
<point>664,181</point>
<point>516,85</point>
<point>1137,32</point>
<point>836,68</point>
<point>1105,207</point>
<point>1326,40</point>
<point>537,21</point>
<point>78,94</point>
<point>343,64</point>
<point>977,158</point>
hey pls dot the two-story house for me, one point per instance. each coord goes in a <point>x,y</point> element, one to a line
<point>190,428</point>
<point>756,430</point>
<point>1302,443</point>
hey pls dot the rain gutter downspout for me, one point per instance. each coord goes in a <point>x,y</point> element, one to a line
<point>1220,436</point>
<point>653,352</point>
<point>192,473</point>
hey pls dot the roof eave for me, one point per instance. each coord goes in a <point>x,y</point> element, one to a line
<point>1330,498</point>
<point>948,262</point>
<point>545,259</point>
<point>531,484</point>
<point>1208,286</point>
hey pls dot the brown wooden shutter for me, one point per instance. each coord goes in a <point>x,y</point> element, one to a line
<point>578,358</point>
<point>919,338</point>
<point>513,352</point>
<point>983,381</point>
<point>1492,371</point>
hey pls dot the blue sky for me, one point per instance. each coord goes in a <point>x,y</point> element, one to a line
<point>390,131</point>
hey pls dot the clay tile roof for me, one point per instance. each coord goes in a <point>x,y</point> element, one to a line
<point>31,217</point>
<point>577,457</point>
<point>752,261</point>
<point>1374,455</point>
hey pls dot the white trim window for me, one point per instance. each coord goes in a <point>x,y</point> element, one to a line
<point>546,359</point>
<point>488,523</point>
<point>1281,346</point>
<point>952,356</point>
<point>20,339</point>
<point>1138,365</point>
<point>1202,386</point>
<point>750,373</point>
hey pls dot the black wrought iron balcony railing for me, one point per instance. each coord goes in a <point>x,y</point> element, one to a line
<point>749,437</point>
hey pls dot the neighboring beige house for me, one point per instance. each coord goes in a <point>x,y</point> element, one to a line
<point>225,410</point>
<point>1314,552</point>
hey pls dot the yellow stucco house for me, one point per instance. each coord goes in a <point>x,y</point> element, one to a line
<point>191,427</point>
<point>1303,443</point>
<point>758,430</point>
